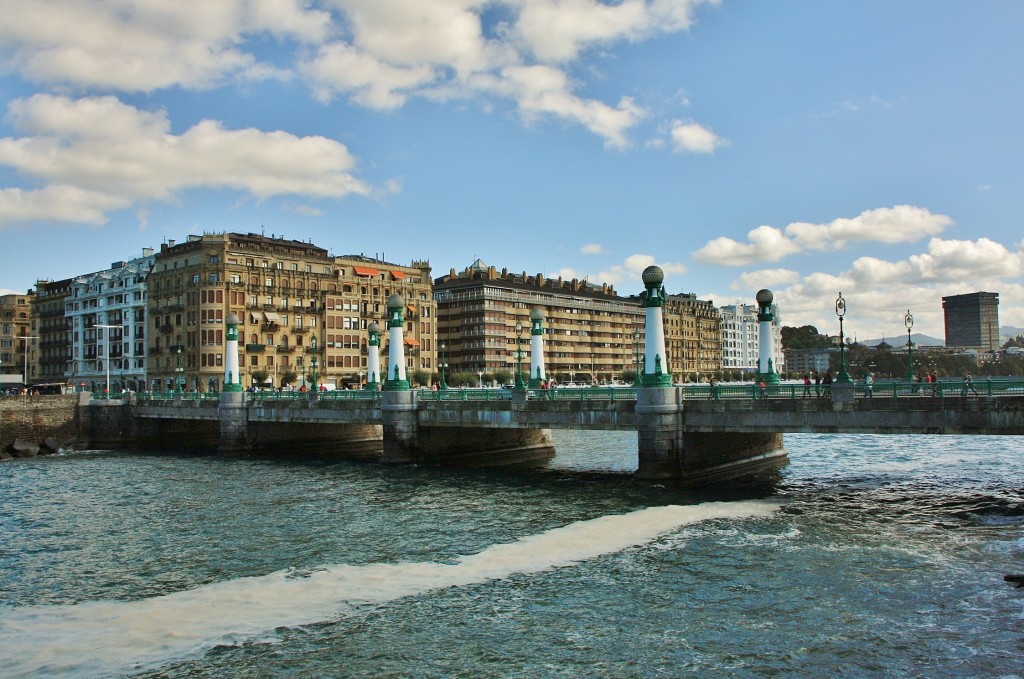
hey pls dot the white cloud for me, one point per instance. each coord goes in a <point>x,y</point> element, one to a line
<point>765,278</point>
<point>592,249</point>
<point>633,266</point>
<point>99,154</point>
<point>879,292</point>
<point>898,224</point>
<point>377,53</point>
<point>765,244</point>
<point>691,137</point>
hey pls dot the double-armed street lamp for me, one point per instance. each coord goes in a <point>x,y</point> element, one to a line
<point>636,356</point>
<point>106,351</point>
<point>843,377</point>
<point>520,384</point>
<point>908,321</point>
<point>312,343</point>
<point>179,378</point>
<point>27,339</point>
<point>442,365</point>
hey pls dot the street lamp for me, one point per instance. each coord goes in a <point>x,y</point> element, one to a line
<point>442,366</point>
<point>480,378</point>
<point>908,321</point>
<point>313,361</point>
<point>843,377</point>
<point>519,356</point>
<point>636,356</point>
<point>106,351</point>
<point>26,338</point>
<point>179,370</point>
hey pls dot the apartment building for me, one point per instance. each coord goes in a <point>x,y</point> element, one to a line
<point>298,306</point>
<point>590,333</point>
<point>50,357</point>
<point>693,337</point>
<point>741,338</point>
<point>106,320</point>
<point>15,324</point>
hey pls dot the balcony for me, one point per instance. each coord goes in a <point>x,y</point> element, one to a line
<point>282,349</point>
<point>251,348</point>
<point>301,330</point>
<point>166,329</point>
<point>154,350</point>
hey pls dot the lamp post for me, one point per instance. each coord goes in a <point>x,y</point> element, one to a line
<point>312,343</point>
<point>442,365</point>
<point>843,377</point>
<point>908,321</point>
<point>300,364</point>
<point>179,378</point>
<point>26,338</point>
<point>519,356</point>
<point>480,378</point>
<point>637,381</point>
<point>106,352</point>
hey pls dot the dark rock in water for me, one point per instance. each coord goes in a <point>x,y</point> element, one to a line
<point>22,448</point>
<point>49,445</point>
<point>1017,579</point>
<point>4,455</point>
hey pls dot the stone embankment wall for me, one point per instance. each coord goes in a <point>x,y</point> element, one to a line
<point>36,418</point>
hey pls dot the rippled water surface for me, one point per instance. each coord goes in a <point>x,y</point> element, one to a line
<point>866,556</point>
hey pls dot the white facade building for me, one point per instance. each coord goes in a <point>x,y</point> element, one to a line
<point>113,297</point>
<point>740,338</point>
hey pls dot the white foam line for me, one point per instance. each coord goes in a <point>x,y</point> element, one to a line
<point>103,637</point>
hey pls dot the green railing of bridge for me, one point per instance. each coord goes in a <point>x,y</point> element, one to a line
<point>573,394</point>
<point>171,395</point>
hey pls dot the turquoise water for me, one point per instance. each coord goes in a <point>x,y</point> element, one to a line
<point>867,556</point>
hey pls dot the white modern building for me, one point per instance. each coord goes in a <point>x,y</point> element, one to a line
<point>107,310</point>
<point>740,338</point>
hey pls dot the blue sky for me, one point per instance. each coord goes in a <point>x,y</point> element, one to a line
<point>868,147</point>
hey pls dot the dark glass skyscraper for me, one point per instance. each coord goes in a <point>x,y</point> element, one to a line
<point>972,320</point>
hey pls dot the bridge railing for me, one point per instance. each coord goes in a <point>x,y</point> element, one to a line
<point>557,394</point>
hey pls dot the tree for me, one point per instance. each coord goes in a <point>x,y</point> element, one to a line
<point>259,377</point>
<point>804,337</point>
<point>421,378</point>
<point>288,376</point>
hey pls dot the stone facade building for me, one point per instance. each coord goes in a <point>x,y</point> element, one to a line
<point>15,324</point>
<point>588,329</point>
<point>290,296</point>
<point>106,315</point>
<point>693,337</point>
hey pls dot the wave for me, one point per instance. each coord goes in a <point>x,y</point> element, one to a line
<point>104,637</point>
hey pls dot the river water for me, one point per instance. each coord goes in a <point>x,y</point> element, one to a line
<point>865,556</point>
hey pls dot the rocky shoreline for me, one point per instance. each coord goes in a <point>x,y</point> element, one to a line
<point>22,448</point>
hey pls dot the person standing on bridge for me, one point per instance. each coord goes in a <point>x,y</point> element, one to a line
<point>807,385</point>
<point>968,384</point>
<point>869,383</point>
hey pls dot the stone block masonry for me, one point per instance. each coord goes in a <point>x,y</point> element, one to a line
<point>35,418</point>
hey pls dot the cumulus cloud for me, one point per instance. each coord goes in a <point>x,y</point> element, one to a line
<point>633,266</point>
<point>765,278</point>
<point>375,53</point>
<point>691,137</point>
<point>898,224</point>
<point>98,154</point>
<point>879,292</point>
<point>764,244</point>
<point>592,249</point>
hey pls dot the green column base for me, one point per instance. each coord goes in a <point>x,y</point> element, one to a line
<point>397,385</point>
<point>232,388</point>
<point>657,380</point>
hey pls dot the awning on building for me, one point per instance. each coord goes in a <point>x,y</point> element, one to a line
<point>412,342</point>
<point>365,271</point>
<point>411,308</point>
<point>272,317</point>
<point>398,275</point>
<point>255,317</point>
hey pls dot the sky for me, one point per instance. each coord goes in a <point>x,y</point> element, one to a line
<point>864,147</point>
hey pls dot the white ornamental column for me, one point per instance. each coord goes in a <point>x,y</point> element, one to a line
<point>373,378</point>
<point>766,346</point>
<point>232,378</point>
<point>655,364</point>
<point>396,379</point>
<point>537,371</point>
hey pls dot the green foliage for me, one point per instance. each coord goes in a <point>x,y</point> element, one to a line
<point>288,376</point>
<point>503,376</point>
<point>804,337</point>
<point>259,377</point>
<point>1017,341</point>
<point>462,379</point>
<point>420,378</point>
